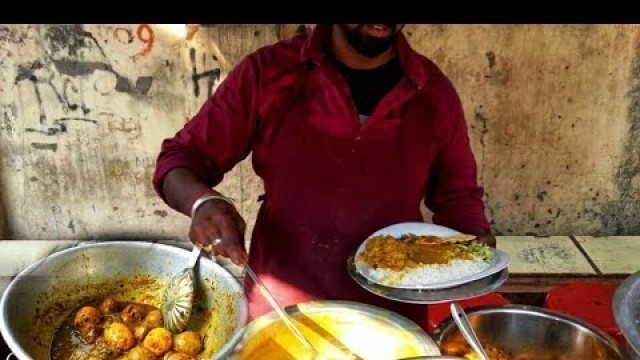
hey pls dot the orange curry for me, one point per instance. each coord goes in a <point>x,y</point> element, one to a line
<point>409,251</point>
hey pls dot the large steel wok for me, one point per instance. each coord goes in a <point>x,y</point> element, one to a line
<point>40,297</point>
<point>522,332</point>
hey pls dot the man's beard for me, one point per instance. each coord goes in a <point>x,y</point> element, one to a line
<point>367,45</point>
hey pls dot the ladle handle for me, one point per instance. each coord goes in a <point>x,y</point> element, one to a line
<point>461,319</point>
<point>279,310</point>
<point>195,254</point>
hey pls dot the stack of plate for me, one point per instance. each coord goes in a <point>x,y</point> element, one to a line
<point>470,286</point>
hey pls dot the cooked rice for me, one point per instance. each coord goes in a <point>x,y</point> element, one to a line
<point>426,274</point>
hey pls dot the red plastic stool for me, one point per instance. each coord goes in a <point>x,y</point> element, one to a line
<point>439,312</point>
<point>588,301</point>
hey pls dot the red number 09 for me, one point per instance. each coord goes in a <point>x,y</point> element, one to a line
<point>144,33</point>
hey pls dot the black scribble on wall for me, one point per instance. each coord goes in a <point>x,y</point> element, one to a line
<point>74,68</point>
<point>72,54</point>
<point>69,48</point>
<point>68,89</point>
<point>60,125</point>
<point>211,75</point>
<point>70,39</point>
<point>491,58</point>
<point>29,74</point>
<point>43,146</point>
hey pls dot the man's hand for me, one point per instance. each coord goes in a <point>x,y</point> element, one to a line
<point>217,219</point>
<point>487,239</point>
<point>482,236</point>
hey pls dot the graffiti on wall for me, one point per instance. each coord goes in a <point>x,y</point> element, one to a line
<point>74,68</point>
<point>143,33</point>
<point>210,75</point>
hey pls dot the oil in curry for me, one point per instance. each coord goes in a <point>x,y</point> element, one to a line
<point>106,329</point>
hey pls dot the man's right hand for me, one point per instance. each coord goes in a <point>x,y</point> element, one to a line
<point>217,219</point>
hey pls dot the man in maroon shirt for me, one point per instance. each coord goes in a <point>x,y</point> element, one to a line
<point>350,129</point>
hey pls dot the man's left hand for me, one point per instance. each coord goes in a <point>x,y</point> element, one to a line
<point>487,239</point>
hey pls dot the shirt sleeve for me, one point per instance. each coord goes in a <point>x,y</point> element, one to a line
<point>219,135</point>
<point>453,193</point>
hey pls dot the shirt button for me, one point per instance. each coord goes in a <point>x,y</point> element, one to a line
<point>358,138</point>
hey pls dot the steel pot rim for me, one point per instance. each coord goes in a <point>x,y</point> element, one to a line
<point>19,353</point>
<point>448,322</point>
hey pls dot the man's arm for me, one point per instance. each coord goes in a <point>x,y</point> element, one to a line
<point>203,151</point>
<point>453,194</point>
<point>181,187</point>
<point>217,137</point>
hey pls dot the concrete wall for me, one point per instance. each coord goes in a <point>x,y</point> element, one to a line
<point>552,110</point>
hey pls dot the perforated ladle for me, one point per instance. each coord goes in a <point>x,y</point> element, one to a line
<point>177,301</point>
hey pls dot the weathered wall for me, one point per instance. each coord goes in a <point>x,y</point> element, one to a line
<point>552,109</point>
<point>84,109</point>
<point>554,120</point>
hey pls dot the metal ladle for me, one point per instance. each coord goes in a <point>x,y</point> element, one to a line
<point>461,319</point>
<point>177,304</point>
<point>177,300</point>
<point>286,319</point>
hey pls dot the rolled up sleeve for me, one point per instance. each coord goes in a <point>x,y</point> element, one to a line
<point>453,193</point>
<point>219,135</point>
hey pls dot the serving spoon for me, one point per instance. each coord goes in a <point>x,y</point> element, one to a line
<point>178,297</point>
<point>461,319</point>
<point>177,301</point>
<point>286,319</point>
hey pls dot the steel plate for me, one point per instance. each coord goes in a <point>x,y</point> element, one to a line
<point>424,296</point>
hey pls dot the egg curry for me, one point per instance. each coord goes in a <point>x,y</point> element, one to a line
<point>107,329</point>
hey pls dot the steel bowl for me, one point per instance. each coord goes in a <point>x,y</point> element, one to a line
<point>37,301</point>
<point>336,328</point>
<point>529,333</point>
<point>626,310</point>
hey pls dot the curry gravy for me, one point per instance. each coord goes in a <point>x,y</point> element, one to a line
<point>105,329</point>
<point>410,251</point>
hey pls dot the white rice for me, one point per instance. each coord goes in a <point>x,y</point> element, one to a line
<point>426,274</point>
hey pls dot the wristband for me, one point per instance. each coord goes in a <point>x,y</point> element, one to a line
<point>203,199</point>
<point>206,191</point>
